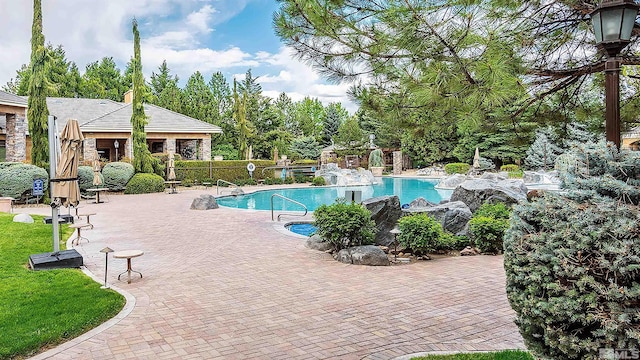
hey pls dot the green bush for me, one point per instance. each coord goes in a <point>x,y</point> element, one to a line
<point>319,181</point>
<point>288,180</point>
<point>457,168</point>
<point>422,234</point>
<point>305,162</point>
<point>344,224</point>
<point>376,158</point>
<point>572,258</point>
<point>510,168</point>
<point>452,242</point>
<point>228,170</point>
<point>272,181</point>
<point>117,175</point>
<point>496,211</point>
<point>16,179</point>
<point>488,225</point>
<point>142,183</point>
<point>85,178</point>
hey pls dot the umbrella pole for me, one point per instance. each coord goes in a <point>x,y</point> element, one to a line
<point>52,173</point>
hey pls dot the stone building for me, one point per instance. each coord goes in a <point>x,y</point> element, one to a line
<point>106,126</point>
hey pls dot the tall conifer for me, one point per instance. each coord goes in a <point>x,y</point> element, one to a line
<point>37,111</point>
<point>142,160</point>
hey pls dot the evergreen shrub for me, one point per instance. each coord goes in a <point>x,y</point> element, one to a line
<point>16,179</point>
<point>488,225</point>
<point>117,175</point>
<point>344,224</point>
<point>510,167</point>
<point>423,234</point>
<point>318,181</point>
<point>572,259</point>
<point>288,180</point>
<point>85,178</point>
<point>228,170</point>
<point>457,168</point>
<point>143,183</point>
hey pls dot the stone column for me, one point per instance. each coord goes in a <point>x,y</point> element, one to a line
<point>170,145</point>
<point>397,162</point>
<point>205,149</point>
<point>128,147</point>
<point>16,143</point>
<point>89,148</point>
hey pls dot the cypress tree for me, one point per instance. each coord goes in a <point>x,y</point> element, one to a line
<point>142,160</point>
<point>37,111</point>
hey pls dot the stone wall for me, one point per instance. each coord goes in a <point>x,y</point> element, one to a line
<point>16,143</point>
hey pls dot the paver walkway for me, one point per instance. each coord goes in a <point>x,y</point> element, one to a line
<point>225,284</point>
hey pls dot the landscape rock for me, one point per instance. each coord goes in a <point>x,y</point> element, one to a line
<point>385,211</point>
<point>475,192</point>
<point>451,182</point>
<point>454,216</point>
<point>23,218</point>
<point>315,242</point>
<point>363,255</point>
<point>541,177</point>
<point>333,175</point>
<point>469,251</point>
<point>204,202</point>
<point>494,176</point>
<point>421,203</point>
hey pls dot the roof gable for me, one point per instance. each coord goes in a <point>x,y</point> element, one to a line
<point>12,100</point>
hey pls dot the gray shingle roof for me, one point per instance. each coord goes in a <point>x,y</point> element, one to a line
<point>13,100</point>
<point>82,110</point>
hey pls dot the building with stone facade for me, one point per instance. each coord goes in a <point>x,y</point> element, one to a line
<point>631,139</point>
<point>106,126</point>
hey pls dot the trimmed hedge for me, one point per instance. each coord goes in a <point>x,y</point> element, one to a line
<point>228,170</point>
<point>117,175</point>
<point>457,168</point>
<point>142,183</point>
<point>16,179</point>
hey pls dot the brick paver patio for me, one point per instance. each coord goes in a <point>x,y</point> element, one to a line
<point>226,284</point>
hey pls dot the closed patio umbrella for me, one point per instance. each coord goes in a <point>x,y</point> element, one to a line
<point>67,192</point>
<point>171,163</point>
<point>96,170</point>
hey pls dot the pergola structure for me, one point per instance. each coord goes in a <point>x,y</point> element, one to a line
<point>13,130</point>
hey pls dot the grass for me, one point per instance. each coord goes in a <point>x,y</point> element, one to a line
<point>40,309</point>
<point>502,355</point>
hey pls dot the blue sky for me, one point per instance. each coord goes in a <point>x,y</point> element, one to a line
<point>230,36</point>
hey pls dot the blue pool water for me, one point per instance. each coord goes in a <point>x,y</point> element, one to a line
<point>407,189</point>
<point>305,229</point>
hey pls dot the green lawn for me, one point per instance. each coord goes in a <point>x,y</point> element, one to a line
<point>502,355</point>
<point>39,309</point>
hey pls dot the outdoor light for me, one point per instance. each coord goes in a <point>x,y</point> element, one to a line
<point>395,231</point>
<point>613,22</point>
<point>116,145</point>
<point>106,252</point>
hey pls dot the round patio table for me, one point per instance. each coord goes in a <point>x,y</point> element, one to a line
<point>128,254</point>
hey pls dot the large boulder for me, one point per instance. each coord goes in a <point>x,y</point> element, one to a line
<point>315,242</point>
<point>476,192</point>
<point>333,175</point>
<point>451,182</point>
<point>363,255</point>
<point>204,202</point>
<point>385,211</point>
<point>421,203</point>
<point>454,216</point>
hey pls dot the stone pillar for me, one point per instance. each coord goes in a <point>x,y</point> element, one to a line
<point>16,143</point>
<point>205,149</point>
<point>170,145</point>
<point>89,148</point>
<point>128,147</point>
<point>397,162</point>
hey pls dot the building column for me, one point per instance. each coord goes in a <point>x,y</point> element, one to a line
<point>170,145</point>
<point>89,148</point>
<point>16,143</point>
<point>128,147</point>
<point>205,149</point>
<point>397,162</point>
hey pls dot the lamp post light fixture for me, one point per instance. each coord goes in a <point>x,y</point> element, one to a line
<point>116,145</point>
<point>395,231</point>
<point>613,22</point>
<point>106,252</point>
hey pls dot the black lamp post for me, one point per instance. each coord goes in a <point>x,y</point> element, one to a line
<point>116,145</point>
<point>613,22</point>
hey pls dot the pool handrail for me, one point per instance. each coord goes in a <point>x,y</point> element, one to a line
<point>228,183</point>
<point>306,211</point>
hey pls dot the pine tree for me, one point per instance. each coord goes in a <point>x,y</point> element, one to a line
<point>142,160</point>
<point>543,152</point>
<point>243,125</point>
<point>334,115</point>
<point>37,111</point>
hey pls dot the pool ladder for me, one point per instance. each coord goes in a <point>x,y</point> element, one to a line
<point>290,200</point>
<point>236,191</point>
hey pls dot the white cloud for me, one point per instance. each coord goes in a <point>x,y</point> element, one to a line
<point>200,19</point>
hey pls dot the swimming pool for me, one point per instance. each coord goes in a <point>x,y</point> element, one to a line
<point>407,189</point>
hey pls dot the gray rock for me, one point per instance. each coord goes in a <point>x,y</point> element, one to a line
<point>493,176</point>
<point>363,255</point>
<point>345,177</point>
<point>479,191</point>
<point>23,218</point>
<point>204,202</point>
<point>451,182</point>
<point>385,211</point>
<point>541,177</point>
<point>315,242</point>
<point>454,216</point>
<point>421,203</point>
<point>469,251</point>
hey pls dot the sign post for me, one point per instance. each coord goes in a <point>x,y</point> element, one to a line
<point>251,168</point>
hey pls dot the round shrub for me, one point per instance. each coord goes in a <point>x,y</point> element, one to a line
<point>376,158</point>
<point>457,168</point>
<point>17,180</point>
<point>142,183</point>
<point>85,178</point>
<point>572,259</point>
<point>422,234</point>
<point>487,233</point>
<point>117,175</point>
<point>344,224</point>
<point>496,211</point>
<point>318,181</point>
<point>510,167</point>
